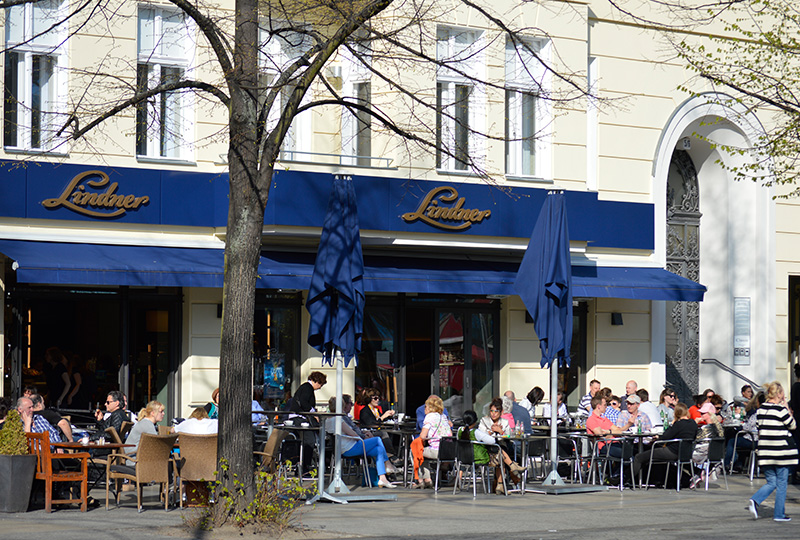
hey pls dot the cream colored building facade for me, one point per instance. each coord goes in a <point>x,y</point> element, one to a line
<point>617,150</point>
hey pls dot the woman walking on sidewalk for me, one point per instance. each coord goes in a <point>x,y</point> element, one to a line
<point>777,453</point>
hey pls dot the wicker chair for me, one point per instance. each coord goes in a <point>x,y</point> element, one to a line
<point>198,461</point>
<point>151,464</point>
<point>39,445</point>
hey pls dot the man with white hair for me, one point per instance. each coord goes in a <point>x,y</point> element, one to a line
<point>520,413</point>
<point>34,423</point>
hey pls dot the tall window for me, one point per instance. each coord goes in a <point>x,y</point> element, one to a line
<point>459,98</point>
<point>357,126</point>
<point>163,121</point>
<point>524,82</point>
<point>281,47</point>
<point>33,82</point>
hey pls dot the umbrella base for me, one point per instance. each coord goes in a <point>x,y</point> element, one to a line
<point>565,489</point>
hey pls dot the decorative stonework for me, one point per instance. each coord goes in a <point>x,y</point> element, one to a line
<point>683,258</point>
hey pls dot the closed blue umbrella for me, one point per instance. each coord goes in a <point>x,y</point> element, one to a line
<point>336,302</point>
<point>544,281</point>
<point>336,295</point>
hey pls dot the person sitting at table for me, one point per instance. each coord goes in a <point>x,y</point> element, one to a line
<point>508,405</point>
<point>114,405</point>
<point>534,397</point>
<point>258,394</point>
<point>612,405</point>
<point>198,423</point>
<point>55,419</point>
<point>649,409</point>
<point>372,414</point>
<point>709,427</point>
<point>598,425</point>
<point>694,410</point>
<point>748,439</point>
<point>435,426</point>
<point>562,407</point>
<point>149,416</point>
<point>744,398</point>
<point>667,401</point>
<point>362,400</point>
<point>355,444</point>
<point>585,404</point>
<point>420,413</point>
<point>484,455</point>
<point>520,414</point>
<point>633,417</point>
<point>498,427</point>
<point>212,407</point>
<point>683,427</point>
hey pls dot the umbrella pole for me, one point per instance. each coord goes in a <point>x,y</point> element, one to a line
<point>337,485</point>
<point>553,479</point>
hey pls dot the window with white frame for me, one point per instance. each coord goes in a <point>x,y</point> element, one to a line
<point>34,82</point>
<point>165,51</point>
<point>281,47</point>
<point>356,87</point>
<point>526,123</point>
<point>460,98</point>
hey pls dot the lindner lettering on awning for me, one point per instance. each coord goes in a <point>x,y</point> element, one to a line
<point>98,264</point>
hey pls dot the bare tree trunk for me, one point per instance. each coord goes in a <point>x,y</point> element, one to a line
<point>242,249</point>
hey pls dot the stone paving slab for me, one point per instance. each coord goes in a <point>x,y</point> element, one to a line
<point>717,513</point>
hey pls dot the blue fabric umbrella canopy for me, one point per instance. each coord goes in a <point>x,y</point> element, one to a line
<point>336,295</point>
<point>544,281</point>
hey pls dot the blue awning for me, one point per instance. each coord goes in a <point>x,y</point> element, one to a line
<point>101,264</point>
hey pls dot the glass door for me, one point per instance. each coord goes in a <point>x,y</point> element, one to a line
<point>466,359</point>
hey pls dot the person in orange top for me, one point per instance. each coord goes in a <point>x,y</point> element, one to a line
<point>694,410</point>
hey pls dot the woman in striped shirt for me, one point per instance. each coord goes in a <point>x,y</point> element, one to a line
<point>775,455</point>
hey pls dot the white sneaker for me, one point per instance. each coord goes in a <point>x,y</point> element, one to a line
<point>753,507</point>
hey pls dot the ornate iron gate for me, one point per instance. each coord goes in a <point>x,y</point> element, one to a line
<point>683,258</point>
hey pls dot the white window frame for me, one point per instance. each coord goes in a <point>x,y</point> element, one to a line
<point>25,39</point>
<point>526,78</point>
<point>165,142</point>
<point>354,135</point>
<point>463,50</point>
<point>277,53</point>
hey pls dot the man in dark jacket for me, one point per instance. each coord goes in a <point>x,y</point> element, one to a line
<point>115,406</point>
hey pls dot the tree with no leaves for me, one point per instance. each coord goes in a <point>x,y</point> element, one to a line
<point>265,63</point>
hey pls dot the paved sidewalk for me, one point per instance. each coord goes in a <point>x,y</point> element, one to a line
<point>716,513</point>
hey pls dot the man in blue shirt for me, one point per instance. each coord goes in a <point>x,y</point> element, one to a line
<point>520,414</point>
<point>421,416</point>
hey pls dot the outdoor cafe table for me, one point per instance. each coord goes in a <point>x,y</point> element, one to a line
<point>406,433</point>
<point>80,447</point>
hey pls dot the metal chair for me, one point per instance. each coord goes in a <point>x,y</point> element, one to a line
<point>715,456</point>
<point>447,454</point>
<point>685,449</point>
<point>625,459</point>
<point>465,461</point>
<point>572,458</point>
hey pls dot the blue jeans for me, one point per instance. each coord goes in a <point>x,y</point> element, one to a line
<point>731,454</point>
<point>375,449</point>
<point>777,479</point>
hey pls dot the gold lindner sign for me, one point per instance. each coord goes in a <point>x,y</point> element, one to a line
<point>77,198</point>
<point>433,211</point>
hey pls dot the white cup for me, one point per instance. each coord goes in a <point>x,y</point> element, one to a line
<point>400,416</point>
<point>289,422</point>
<point>304,424</point>
<point>84,440</point>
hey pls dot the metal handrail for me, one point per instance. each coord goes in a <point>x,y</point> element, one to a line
<point>756,387</point>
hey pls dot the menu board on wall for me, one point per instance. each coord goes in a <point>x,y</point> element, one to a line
<point>741,331</point>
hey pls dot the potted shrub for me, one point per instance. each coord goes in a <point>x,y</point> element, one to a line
<point>17,466</point>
